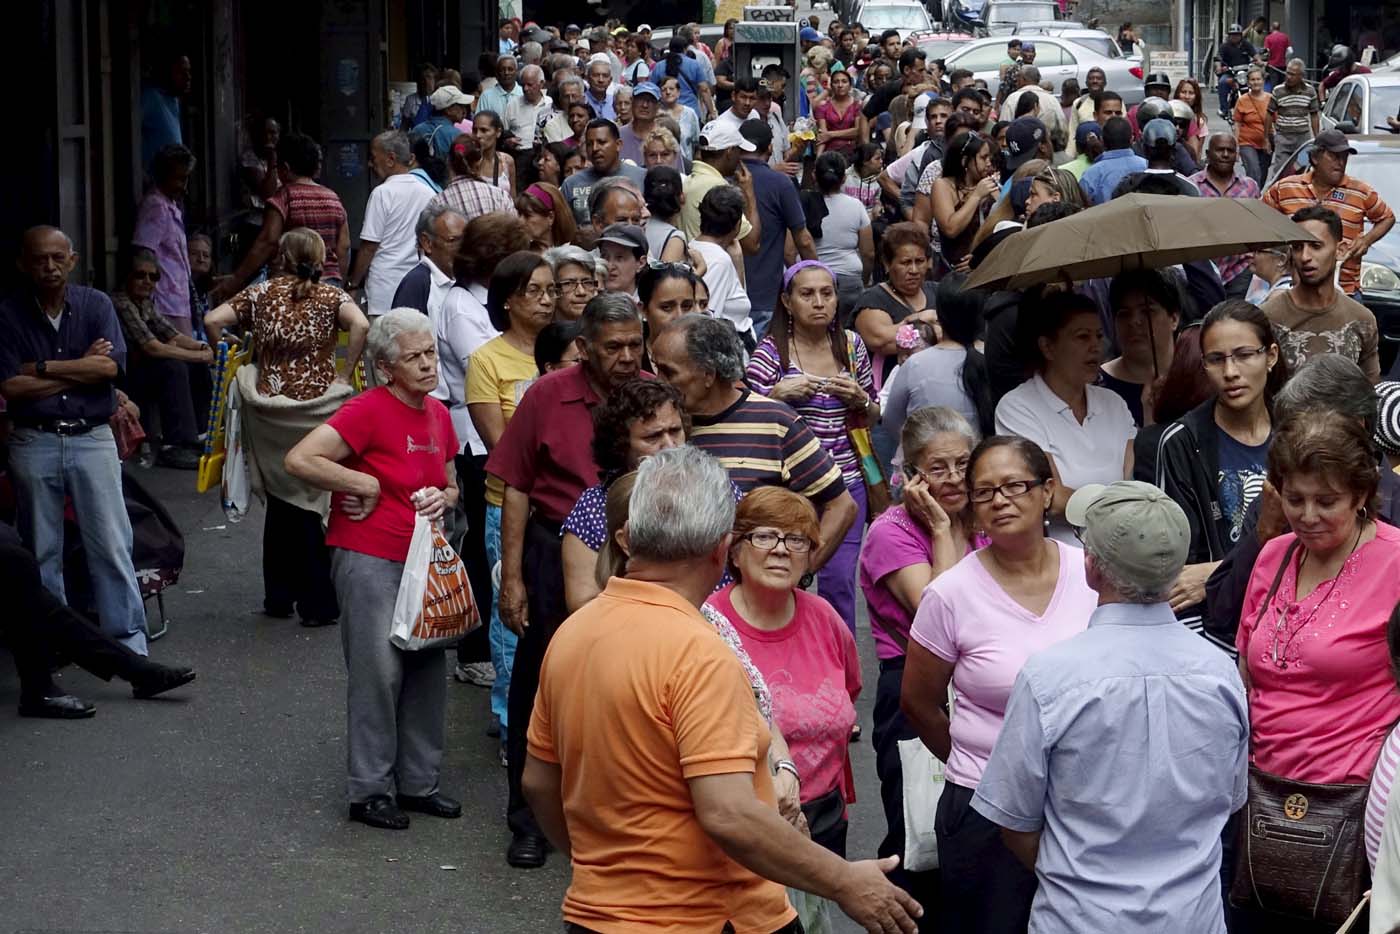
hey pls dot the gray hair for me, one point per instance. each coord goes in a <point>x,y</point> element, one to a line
<point>1300,63</point>
<point>1128,591</point>
<point>681,506</point>
<point>571,81</point>
<point>604,309</point>
<point>429,215</point>
<point>605,187</point>
<point>712,344</point>
<point>623,92</point>
<point>382,344</point>
<point>1330,382</point>
<point>531,52</point>
<point>531,72</point>
<point>925,424</point>
<point>395,143</point>
<point>560,256</point>
<point>140,254</point>
<point>1030,74</point>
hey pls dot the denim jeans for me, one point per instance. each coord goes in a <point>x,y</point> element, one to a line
<point>45,467</point>
<point>502,639</point>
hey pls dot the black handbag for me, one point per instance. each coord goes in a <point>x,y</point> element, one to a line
<point>1302,846</point>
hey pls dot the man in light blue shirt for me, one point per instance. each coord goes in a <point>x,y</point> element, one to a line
<point>1117,162</point>
<point>496,97</point>
<point>1125,749</point>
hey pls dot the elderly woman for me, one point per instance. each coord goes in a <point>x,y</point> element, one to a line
<point>1312,635</point>
<point>294,321</point>
<point>636,420</point>
<point>575,278</point>
<point>1086,430</point>
<point>672,106</point>
<point>662,148</point>
<point>976,625</point>
<point>395,700</point>
<point>469,193</point>
<point>796,637</point>
<point>622,104</point>
<point>547,216</point>
<point>909,545</point>
<point>822,370</point>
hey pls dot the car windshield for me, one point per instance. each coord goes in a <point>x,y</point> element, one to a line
<point>904,18</point>
<point>1378,169</point>
<point>1020,12</point>
<point>1385,102</point>
<point>1105,45</point>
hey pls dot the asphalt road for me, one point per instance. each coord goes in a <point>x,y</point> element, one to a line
<point>221,808</point>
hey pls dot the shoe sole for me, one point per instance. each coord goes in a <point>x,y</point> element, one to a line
<point>58,714</point>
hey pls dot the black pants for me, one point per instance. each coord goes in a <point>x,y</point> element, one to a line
<point>471,482</point>
<point>161,388</point>
<point>543,570</point>
<point>891,727</point>
<point>43,632</point>
<point>986,890</point>
<point>296,563</point>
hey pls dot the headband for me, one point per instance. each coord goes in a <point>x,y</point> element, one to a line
<point>540,195</point>
<point>795,268</point>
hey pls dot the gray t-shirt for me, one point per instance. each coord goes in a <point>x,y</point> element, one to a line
<point>930,377</point>
<point>840,239</point>
<point>579,186</point>
<point>659,233</point>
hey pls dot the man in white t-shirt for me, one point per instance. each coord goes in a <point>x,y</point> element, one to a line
<point>388,239</point>
<point>721,213</point>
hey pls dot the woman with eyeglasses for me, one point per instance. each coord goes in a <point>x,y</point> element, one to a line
<point>1213,460</point>
<point>1273,272</point>
<point>1085,430</point>
<point>962,197</point>
<point>909,545</point>
<point>667,291</point>
<point>1312,633</point>
<point>799,642</point>
<point>575,278</point>
<point>976,625</point>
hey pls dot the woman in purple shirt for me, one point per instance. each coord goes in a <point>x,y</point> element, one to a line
<point>907,547</point>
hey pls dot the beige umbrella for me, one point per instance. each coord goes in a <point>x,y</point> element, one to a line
<point>1134,232</point>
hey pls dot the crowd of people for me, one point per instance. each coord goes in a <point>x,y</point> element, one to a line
<point>668,367</point>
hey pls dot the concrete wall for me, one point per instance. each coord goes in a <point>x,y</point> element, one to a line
<point>1152,20</point>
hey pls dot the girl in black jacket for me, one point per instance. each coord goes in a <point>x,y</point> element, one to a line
<point>1212,460</point>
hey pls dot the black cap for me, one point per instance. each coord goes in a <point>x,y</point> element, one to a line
<point>628,235</point>
<point>757,132</point>
<point>1333,141</point>
<point>1023,141</point>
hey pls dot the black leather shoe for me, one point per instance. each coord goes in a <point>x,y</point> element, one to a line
<point>379,811</point>
<point>436,804</point>
<point>178,458</point>
<point>158,680</point>
<point>58,707</point>
<point>526,851</point>
<point>314,623</point>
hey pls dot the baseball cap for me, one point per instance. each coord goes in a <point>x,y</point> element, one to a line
<point>1388,417</point>
<point>1333,141</point>
<point>1234,28</point>
<point>1158,131</point>
<point>620,31</point>
<point>646,87</point>
<point>1158,79</point>
<point>628,235</point>
<point>809,34</point>
<point>645,27</point>
<point>447,95</point>
<point>1133,527</point>
<point>1027,46</point>
<point>572,27</point>
<point>719,135</point>
<point>1023,141</point>
<point>760,134</point>
<point>1086,129</point>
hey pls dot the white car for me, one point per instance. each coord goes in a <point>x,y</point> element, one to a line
<point>1361,103</point>
<point>1003,16</point>
<point>878,15</point>
<point>1095,39</point>
<point>1057,58</point>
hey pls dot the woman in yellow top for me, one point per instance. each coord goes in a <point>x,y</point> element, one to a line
<point>520,301</point>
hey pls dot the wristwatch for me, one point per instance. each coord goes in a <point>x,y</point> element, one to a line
<point>41,367</point>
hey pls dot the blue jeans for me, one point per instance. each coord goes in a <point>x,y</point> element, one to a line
<point>1223,85</point>
<point>502,639</point>
<point>46,467</point>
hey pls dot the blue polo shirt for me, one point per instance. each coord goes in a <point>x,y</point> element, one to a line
<point>1112,167</point>
<point>27,336</point>
<point>1127,746</point>
<point>780,212</point>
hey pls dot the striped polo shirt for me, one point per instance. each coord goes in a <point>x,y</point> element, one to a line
<point>1354,201</point>
<point>1293,109</point>
<point>762,442</point>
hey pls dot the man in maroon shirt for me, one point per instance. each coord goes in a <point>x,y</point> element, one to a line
<point>545,460</point>
<point>1277,43</point>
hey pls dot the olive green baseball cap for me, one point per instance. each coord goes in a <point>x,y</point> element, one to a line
<point>1135,528</point>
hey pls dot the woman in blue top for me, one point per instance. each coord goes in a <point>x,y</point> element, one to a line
<point>695,89</point>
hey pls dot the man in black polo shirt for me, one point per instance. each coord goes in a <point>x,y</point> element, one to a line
<point>913,72</point>
<point>60,352</point>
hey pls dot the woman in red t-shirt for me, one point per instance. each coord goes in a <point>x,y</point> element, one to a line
<point>384,456</point>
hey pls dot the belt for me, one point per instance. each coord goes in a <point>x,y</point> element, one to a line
<point>61,426</point>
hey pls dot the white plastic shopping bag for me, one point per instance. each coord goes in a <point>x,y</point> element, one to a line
<point>434,606</point>
<point>923,786</point>
<point>237,486</point>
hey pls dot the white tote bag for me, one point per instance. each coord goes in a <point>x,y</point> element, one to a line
<point>237,484</point>
<point>923,786</point>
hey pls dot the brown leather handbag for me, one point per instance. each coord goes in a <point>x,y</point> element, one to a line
<point>1302,847</point>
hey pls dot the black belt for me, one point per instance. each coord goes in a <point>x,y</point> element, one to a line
<point>61,426</point>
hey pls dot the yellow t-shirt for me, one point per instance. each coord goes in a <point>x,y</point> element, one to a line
<point>499,373</point>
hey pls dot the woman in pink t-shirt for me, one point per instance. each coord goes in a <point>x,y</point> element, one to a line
<point>801,646</point>
<point>384,456</point>
<point>907,547</point>
<point>976,625</point>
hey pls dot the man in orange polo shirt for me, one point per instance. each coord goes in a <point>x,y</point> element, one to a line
<point>1355,202</point>
<point>648,758</point>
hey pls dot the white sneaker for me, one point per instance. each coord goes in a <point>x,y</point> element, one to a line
<point>482,674</point>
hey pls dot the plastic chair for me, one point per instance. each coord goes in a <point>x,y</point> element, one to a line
<point>211,462</point>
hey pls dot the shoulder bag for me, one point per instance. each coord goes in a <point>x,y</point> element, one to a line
<point>877,487</point>
<point>1302,846</point>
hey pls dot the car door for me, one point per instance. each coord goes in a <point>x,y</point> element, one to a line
<point>1059,63</point>
<point>1335,111</point>
<point>984,61</point>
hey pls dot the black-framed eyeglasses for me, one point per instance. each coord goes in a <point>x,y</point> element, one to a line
<point>587,283</point>
<point>1241,355</point>
<point>1012,489</point>
<point>796,542</point>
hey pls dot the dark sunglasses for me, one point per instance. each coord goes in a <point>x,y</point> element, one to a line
<point>146,276</point>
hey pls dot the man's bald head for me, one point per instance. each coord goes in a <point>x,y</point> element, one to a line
<point>40,236</point>
<point>47,257</point>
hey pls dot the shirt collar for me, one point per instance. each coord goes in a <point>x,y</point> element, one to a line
<point>1052,401</point>
<point>577,388</point>
<point>633,591</point>
<point>1116,154</point>
<point>1133,614</point>
<point>439,278</point>
<point>701,167</point>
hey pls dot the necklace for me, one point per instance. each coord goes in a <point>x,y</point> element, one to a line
<point>1280,652</point>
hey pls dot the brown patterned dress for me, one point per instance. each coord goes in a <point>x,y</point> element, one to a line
<point>294,340</point>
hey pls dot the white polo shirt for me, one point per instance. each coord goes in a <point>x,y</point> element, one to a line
<point>1091,452</point>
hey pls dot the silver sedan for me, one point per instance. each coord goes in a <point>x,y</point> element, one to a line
<point>1057,60</point>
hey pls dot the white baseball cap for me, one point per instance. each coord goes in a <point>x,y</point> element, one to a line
<point>720,135</point>
<point>447,95</point>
